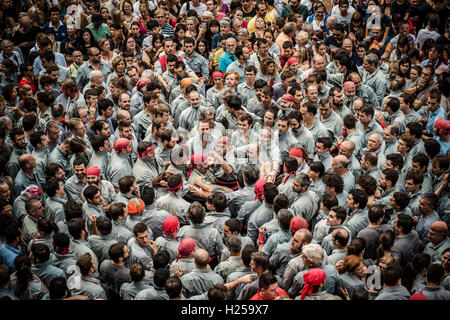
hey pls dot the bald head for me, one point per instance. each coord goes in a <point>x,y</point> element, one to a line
<point>374,142</point>
<point>305,235</point>
<point>318,62</point>
<point>123,115</point>
<point>340,236</point>
<point>26,161</point>
<point>201,258</point>
<point>347,148</point>
<point>339,164</point>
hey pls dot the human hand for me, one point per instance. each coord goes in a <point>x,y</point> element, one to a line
<point>262,230</point>
<point>92,218</point>
<point>177,271</point>
<point>247,278</point>
<point>344,292</point>
<point>152,244</point>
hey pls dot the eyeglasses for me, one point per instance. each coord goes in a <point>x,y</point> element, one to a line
<point>95,55</point>
<point>315,39</point>
<point>160,17</point>
<point>245,0</point>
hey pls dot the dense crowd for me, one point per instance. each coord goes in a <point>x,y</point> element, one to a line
<point>224,150</point>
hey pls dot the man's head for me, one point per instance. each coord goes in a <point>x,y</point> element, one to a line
<point>92,195</point>
<point>312,255</point>
<point>357,199</point>
<point>437,232</point>
<point>336,216</point>
<point>339,164</point>
<point>35,209</point>
<point>374,142</point>
<point>268,286</point>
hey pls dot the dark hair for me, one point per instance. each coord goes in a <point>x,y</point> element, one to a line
<point>137,271</point>
<point>392,274</point>
<point>41,252</point>
<point>432,148</point>
<point>22,264</point>
<point>90,192</point>
<point>116,251</point>
<point>234,225</point>
<point>334,180</point>
<point>391,175</point>
<point>356,247</point>
<point>367,183</point>
<point>318,167</point>
<point>104,225</point>
<point>419,262</point>
<point>51,186</point>
<point>76,226</point>
<point>435,273</point>
<point>341,213</point>
<point>266,280</point>
<point>376,212</point>
<point>173,287</point>
<point>329,201</point>
<point>387,239</point>
<point>58,288</point>
<point>405,222</point>
<point>72,209</point>
<point>246,254</point>
<point>401,199</point>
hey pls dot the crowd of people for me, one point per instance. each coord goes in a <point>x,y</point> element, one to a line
<point>224,150</point>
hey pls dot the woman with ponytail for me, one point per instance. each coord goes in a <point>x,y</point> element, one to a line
<point>414,277</point>
<point>46,228</point>
<point>352,274</point>
<point>25,284</point>
<point>387,239</point>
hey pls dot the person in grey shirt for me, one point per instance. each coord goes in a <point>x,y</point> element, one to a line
<point>259,264</point>
<point>433,289</point>
<point>118,214</point>
<point>236,199</point>
<point>372,233</point>
<point>358,218</point>
<point>158,291</point>
<point>202,278</point>
<point>76,183</point>
<point>87,284</point>
<point>78,243</point>
<point>101,239</point>
<point>113,270</point>
<point>391,290</point>
<point>340,237</point>
<point>206,236</point>
<point>225,268</point>
<point>54,204</point>
<point>243,270</point>
<point>307,203</point>
<point>129,290</point>
<point>406,243</point>
<point>263,213</point>
<point>439,240</point>
<point>61,256</point>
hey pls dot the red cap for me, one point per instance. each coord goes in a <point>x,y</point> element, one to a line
<point>296,152</point>
<point>443,126</point>
<point>93,171</point>
<point>120,144</point>
<point>287,97</point>
<point>292,60</point>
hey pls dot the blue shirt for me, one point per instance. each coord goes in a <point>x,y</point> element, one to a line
<point>8,255</point>
<point>59,60</point>
<point>444,145</point>
<point>225,60</point>
<point>435,115</point>
<point>61,32</point>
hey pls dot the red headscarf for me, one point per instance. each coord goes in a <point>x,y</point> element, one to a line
<point>196,158</point>
<point>185,248</point>
<point>259,189</point>
<point>295,152</point>
<point>170,225</point>
<point>290,174</point>
<point>93,171</point>
<point>175,189</point>
<point>311,279</point>
<point>121,143</point>
<point>298,223</point>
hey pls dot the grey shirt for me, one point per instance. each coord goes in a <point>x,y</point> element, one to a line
<point>199,281</point>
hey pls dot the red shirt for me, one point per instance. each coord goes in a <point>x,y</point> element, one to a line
<point>280,292</point>
<point>31,84</point>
